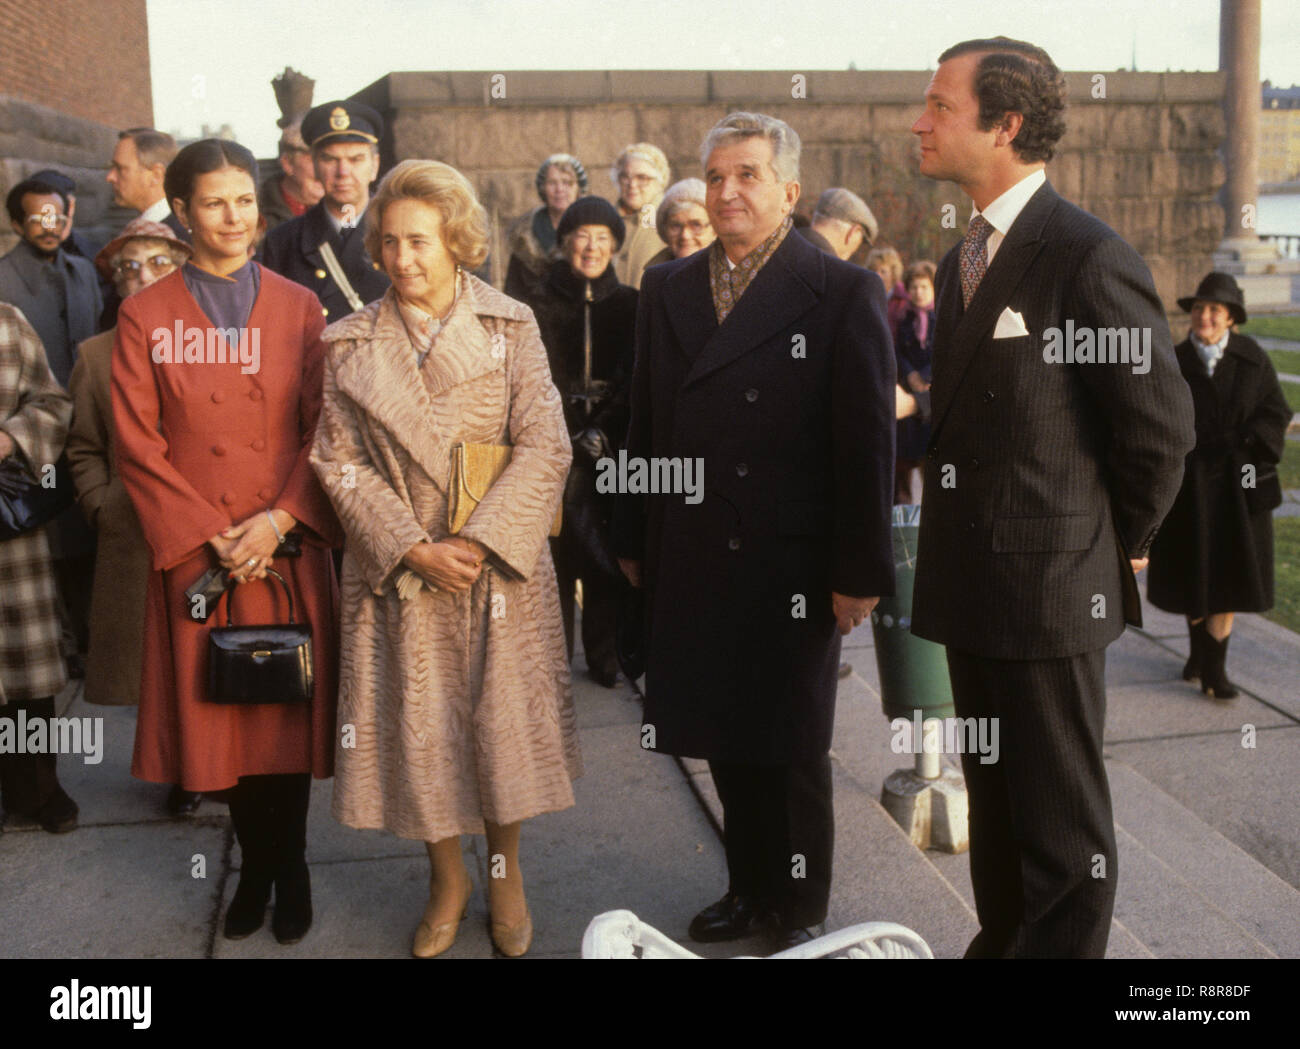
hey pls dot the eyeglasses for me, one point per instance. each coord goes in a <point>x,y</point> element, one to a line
<point>639,180</point>
<point>123,267</point>
<point>47,220</point>
<point>678,226</point>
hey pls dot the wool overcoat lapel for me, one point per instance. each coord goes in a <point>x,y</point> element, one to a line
<point>788,286</point>
<point>959,333</point>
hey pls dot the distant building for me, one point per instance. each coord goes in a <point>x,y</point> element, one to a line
<point>1279,134</point>
<point>71,76</point>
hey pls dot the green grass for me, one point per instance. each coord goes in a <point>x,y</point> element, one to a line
<point>1286,568</point>
<point>1291,391</point>
<point>1288,470</point>
<point>1273,326</point>
<point>1285,360</point>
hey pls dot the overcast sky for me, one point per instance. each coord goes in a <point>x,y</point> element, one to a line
<point>212,60</point>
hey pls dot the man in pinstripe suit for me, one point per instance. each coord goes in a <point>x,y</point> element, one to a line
<point>1046,478</point>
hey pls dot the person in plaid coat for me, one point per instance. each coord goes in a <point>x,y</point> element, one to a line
<point>35,413</point>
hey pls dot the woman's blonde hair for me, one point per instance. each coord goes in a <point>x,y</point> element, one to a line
<point>888,257</point>
<point>464,222</point>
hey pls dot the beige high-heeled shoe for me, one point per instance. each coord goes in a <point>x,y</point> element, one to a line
<point>432,940</point>
<point>513,940</point>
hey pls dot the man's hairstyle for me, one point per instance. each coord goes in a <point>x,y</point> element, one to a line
<point>14,202</point>
<point>922,268</point>
<point>439,185</point>
<point>202,158</point>
<point>1016,77</point>
<point>736,127</point>
<point>151,146</point>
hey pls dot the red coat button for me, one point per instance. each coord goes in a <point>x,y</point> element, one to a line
<point>218,449</point>
<point>218,396</point>
<point>259,445</point>
<point>255,394</point>
<point>227,498</point>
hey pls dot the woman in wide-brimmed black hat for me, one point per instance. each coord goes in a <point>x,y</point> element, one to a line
<point>1214,553</point>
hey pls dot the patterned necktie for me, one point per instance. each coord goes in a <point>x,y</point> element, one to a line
<point>974,257</point>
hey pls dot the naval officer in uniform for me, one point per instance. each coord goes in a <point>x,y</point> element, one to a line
<point>322,249</point>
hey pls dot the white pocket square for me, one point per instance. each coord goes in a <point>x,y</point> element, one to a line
<point>1010,325</point>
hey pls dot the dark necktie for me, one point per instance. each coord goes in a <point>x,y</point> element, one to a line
<point>974,257</point>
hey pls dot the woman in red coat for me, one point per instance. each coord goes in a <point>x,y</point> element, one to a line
<point>216,390</point>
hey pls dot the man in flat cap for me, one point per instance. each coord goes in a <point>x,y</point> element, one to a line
<point>841,223</point>
<point>323,248</point>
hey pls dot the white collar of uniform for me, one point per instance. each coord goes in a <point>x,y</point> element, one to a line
<point>1003,211</point>
<point>157,211</point>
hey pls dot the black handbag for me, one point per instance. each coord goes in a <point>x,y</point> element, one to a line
<point>26,504</point>
<point>269,663</point>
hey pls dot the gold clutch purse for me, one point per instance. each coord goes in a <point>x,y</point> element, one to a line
<point>474,469</point>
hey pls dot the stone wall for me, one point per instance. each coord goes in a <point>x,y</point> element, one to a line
<point>71,75</point>
<point>1144,158</point>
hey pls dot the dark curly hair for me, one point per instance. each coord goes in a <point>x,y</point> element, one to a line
<point>1016,77</point>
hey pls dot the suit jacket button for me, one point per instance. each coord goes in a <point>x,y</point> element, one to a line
<point>733,543</point>
<point>751,395</point>
<point>320,274</point>
<point>742,470</point>
<point>988,396</point>
<point>970,526</point>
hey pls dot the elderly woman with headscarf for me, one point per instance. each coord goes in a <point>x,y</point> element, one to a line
<point>588,323</point>
<point>641,174</point>
<point>531,238</point>
<point>682,221</point>
<point>140,255</point>
<point>1213,556</point>
<point>453,673</point>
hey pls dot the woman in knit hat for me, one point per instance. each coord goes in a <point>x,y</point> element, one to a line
<point>531,238</point>
<point>682,221</point>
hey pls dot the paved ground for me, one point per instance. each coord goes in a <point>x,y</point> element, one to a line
<point>1209,844</point>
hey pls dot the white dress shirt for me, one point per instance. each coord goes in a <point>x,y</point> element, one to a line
<point>1003,211</point>
<point>157,211</point>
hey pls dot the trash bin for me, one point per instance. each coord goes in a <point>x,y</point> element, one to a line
<point>913,671</point>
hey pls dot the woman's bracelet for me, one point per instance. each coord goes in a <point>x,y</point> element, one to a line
<point>274,527</point>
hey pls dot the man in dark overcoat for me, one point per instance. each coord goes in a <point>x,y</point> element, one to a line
<point>767,364</point>
<point>324,248</point>
<point>1047,474</point>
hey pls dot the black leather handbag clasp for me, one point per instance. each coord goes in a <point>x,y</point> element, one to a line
<point>269,663</point>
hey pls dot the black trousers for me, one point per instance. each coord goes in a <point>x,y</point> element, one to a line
<point>601,598</point>
<point>1042,838</point>
<point>27,781</point>
<point>270,817</point>
<point>779,832</point>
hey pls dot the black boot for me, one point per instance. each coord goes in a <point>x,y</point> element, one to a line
<point>29,783</point>
<point>1214,676</point>
<point>250,813</point>
<point>1196,648</point>
<point>293,913</point>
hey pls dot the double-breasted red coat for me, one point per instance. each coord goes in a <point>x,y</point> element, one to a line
<point>201,446</point>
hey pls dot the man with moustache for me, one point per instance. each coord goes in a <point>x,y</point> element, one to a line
<point>1045,484</point>
<point>771,362</point>
<point>59,295</point>
<point>323,249</point>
